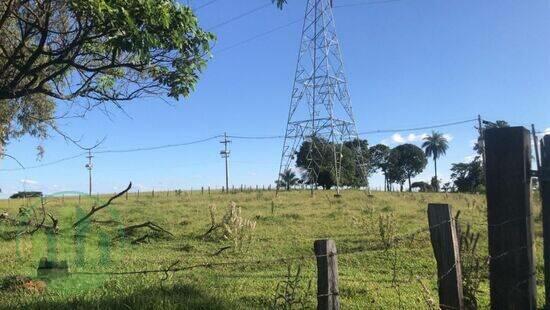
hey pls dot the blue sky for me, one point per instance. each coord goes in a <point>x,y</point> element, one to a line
<point>409,63</point>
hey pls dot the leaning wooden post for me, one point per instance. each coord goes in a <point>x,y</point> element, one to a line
<point>327,275</point>
<point>126,195</point>
<point>447,254</point>
<point>508,177</point>
<point>544,187</point>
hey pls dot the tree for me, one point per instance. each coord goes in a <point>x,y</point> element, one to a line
<point>423,186</point>
<point>467,177</point>
<point>435,145</point>
<point>352,172</point>
<point>321,162</point>
<point>395,172</point>
<point>378,160</point>
<point>288,179</point>
<point>407,161</point>
<point>89,53</point>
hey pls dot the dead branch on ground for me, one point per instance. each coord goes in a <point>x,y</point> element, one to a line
<point>95,209</point>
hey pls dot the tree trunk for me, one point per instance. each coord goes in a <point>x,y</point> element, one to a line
<point>435,166</point>
<point>410,189</point>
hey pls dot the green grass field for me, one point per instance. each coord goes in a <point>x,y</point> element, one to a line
<point>371,276</point>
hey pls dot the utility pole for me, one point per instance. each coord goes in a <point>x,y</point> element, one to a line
<point>481,139</point>
<point>89,166</point>
<point>225,154</point>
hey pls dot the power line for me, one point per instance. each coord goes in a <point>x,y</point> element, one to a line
<point>367,132</point>
<point>275,29</point>
<point>158,147</point>
<point>365,3</point>
<point>260,35</point>
<point>419,128</point>
<point>267,137</point>
<point>233,19</point>
<point>205,5</point>
<point>46,164</point>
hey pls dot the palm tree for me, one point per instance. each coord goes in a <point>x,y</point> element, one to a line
<point>288,179</point>
<point>435,145</point>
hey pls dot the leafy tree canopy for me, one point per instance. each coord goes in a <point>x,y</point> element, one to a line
<point>321,162</point>
<point>287,179</point>
<point>379,156</point>
<point>406,161</point>
<point>468,177</point>
<point>89,53</point>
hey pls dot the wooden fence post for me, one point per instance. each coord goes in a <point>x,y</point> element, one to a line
<point>153,193</point>
<point>327,275</point>
<point>447,254</point>
<point>508,177</point>
<point>544,187</point>
<point>126,195</point>
<point>138,195</point>
<point>208,190</point>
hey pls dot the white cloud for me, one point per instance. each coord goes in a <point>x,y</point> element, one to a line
<point>28,182</point>
<point>449,137</point>
<point>547,131</point>
<point>397,138</point>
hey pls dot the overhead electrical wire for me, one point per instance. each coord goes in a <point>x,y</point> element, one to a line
<point>418,128</point>
<point>260,35</point>
<point>152,148</point>
<point>205,5</point>
<point>236,137</point>
<point>233,19</point>
<point>366,132</point>
<point>365,3</point>
<point>277,28</point>
<point>46,164</point>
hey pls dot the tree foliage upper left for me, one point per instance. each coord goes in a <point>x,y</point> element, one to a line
<point>90,53</point>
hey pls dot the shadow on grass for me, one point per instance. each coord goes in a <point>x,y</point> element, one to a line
<point>175,297</point>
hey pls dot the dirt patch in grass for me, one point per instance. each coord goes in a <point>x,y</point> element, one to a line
<point>22,284</point>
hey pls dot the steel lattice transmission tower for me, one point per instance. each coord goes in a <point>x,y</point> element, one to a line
<point>320,107</point>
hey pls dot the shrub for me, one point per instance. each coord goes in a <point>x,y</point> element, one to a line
<point>232,227</point>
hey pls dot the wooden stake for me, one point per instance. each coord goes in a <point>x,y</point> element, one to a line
<point>511,235</point>
<point>446,250</point>
<point>327,275</point>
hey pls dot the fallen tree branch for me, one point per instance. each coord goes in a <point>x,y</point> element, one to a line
<point>128,230</point>
<point>37,227</point>
<point>139,240</point>
<point>95,209</point>
<point>55,223</point>
<point>218,252</point>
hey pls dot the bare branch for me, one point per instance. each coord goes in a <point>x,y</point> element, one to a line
<point>95,209</point>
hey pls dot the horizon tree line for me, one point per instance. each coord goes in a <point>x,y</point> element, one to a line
<point>398,165</point>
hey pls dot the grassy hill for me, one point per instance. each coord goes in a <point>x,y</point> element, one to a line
<point>385,256</point>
